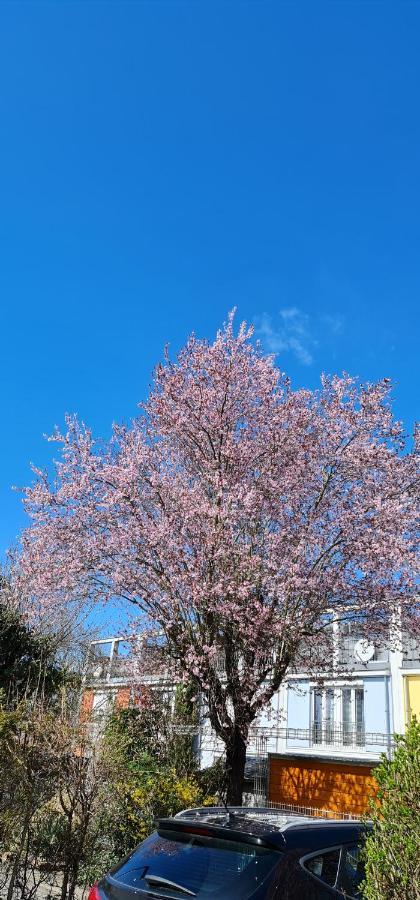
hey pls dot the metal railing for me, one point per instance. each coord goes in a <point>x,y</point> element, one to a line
<point>341,736</point>
<point>344,735</point>
<point>312,812</point>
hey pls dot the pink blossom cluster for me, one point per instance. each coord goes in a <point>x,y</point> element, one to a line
<point>237,515</point>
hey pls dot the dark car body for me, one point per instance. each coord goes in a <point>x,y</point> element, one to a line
<point>248,854</point>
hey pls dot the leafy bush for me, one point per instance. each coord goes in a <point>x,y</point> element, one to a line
<point>393,848</point>
<point>212,780</point>
<point>150,793</point>
<point>149,772</point>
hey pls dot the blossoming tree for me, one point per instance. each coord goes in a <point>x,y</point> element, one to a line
<point>239,517</point>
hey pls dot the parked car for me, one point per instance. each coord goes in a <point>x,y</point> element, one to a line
<point>239,854</point>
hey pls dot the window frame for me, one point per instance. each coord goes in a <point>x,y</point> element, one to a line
<point>344,849</point>
<point>357,734</point>
<point>331,730</point>
<point>315,853</point>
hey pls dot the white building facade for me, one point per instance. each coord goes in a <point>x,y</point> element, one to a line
<point>317,743</point>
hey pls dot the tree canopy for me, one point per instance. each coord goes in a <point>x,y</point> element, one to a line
<point>236,515</point>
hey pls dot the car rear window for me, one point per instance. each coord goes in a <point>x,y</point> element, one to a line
<point>207,866</point>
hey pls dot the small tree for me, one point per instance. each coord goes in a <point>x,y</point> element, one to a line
<point>28,659</point>
<point>51,778</point>
<point>393,848</point>
<point>238,517</point>
<point>70,805</point>
<point>31,756</point>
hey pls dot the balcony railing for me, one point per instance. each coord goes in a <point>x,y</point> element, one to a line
<point>346,735</point>
<point>115,661</point>
<point>317,736</point>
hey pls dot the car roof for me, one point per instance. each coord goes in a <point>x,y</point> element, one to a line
<point>276,827</point>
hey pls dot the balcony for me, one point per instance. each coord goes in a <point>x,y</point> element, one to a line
<point>107,661</point>
<point>343,736</point>
<point>340,737</point>
<point>116,661</point>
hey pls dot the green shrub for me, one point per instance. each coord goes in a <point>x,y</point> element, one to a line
<point>149,771</point>
<point>212,780</point>
<point>393,849</point>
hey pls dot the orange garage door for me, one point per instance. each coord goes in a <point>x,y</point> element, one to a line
<point>340,787</point>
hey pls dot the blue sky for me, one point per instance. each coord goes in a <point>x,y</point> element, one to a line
<point>162,162</point>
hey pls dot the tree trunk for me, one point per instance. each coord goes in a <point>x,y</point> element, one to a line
<point>68,855</point>
<point>18,857</point>
<point>65,881</point>
<point>235,767</point>
<point>78,855</point>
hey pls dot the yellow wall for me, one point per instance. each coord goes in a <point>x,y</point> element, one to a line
<point>412,696</point>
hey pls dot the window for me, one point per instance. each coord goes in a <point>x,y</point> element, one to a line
<point>205,866</point>
<point>351,871</point>
<point>353,716</point>
<point>318,718</point>
<point>337,716</point>
<point>347,716</point>
<point>101,705</point>
<point>324,865</point>
<point>323,716</point>
<point>338,867</point>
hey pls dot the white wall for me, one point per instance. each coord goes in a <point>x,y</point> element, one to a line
<point>298,710</point>
<point>377,708</point>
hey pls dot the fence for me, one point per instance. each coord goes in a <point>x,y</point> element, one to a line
<point>312,812</point>
<point>263,741</point>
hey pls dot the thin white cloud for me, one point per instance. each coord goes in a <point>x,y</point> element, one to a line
<point>294,331</point>
<point>291,334</point>
<point>334,322</point>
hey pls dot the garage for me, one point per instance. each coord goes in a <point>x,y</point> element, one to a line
<point>342,787</point>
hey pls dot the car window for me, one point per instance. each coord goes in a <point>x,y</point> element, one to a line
<point>324,865</point>
<point>209,867</point>
<point>351,872</point>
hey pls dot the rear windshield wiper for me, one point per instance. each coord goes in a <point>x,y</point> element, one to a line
<point>159,881</point>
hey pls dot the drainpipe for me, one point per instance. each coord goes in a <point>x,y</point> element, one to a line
<point>397,690</point>
<point>388,716</point>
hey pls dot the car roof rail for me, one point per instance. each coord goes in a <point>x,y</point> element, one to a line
<point>198,812</point>
<point>280,819</point>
